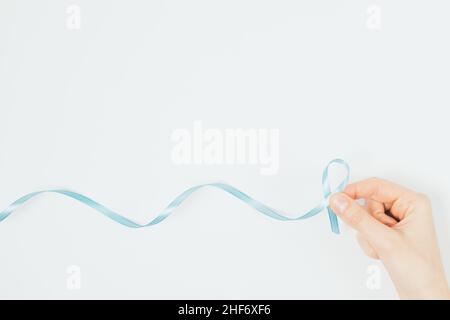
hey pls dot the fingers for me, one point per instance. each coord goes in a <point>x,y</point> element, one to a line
<point>391,195</point>
<point>358,218</point>
<point>378,211</point>
<point>367,247</point>
<point>376,189</point>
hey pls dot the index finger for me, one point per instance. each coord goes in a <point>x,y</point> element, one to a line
<point>376,189</point>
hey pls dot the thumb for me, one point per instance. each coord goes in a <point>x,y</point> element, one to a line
<point>358,218</point>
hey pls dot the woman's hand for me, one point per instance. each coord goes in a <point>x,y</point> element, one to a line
<point>396,226</point>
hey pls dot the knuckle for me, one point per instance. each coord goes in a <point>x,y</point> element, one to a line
<point>388,245</point>
<point>374,180</point>
<point>376,184</point>
<point>378,213</point>
<point>377,180</point>
<point>423,199</point>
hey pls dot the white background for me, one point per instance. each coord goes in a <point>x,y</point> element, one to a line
<point>93,110</point>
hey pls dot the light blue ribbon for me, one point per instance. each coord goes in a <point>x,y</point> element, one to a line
<point>327,192</point>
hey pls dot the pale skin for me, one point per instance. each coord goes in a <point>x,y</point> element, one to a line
<point>396,226</point>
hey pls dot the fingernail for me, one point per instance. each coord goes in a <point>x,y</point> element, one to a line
<point>340,203</point>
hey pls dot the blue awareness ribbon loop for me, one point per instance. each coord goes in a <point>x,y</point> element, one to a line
<point>262,208</point>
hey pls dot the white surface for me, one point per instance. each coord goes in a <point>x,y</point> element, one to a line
<point>93,110</point>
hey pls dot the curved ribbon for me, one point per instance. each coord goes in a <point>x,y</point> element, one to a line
<point>264,209</point>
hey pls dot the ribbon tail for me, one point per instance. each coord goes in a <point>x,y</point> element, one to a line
<point>333,221</point>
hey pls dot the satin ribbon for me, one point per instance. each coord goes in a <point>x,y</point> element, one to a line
<point>262,208</point>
